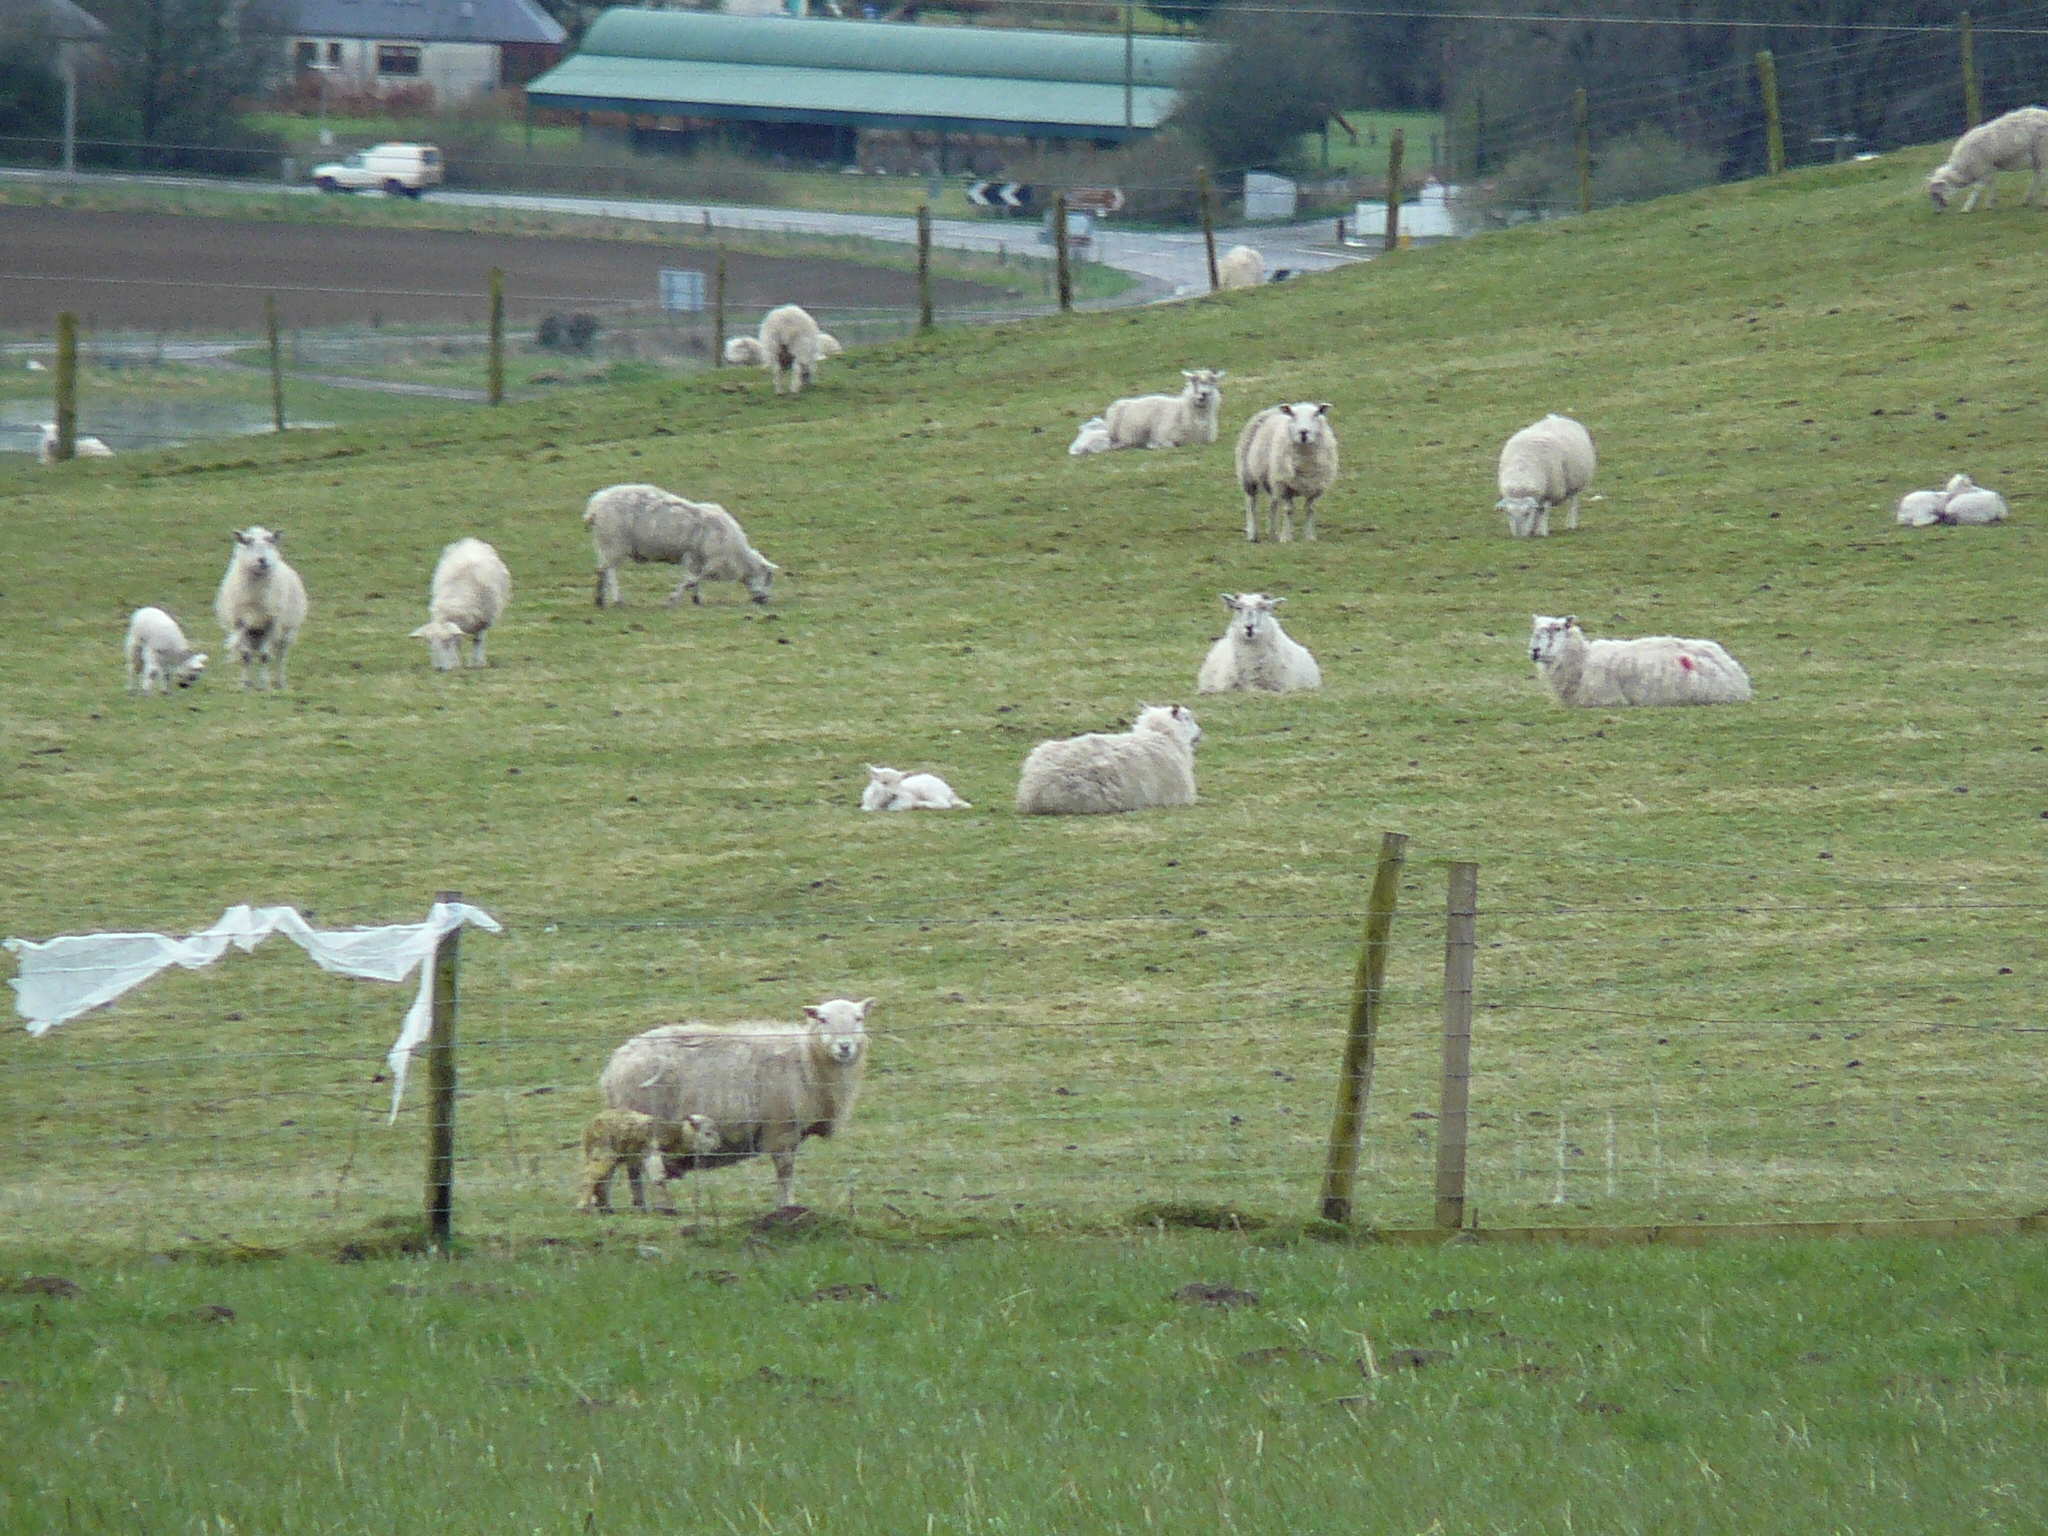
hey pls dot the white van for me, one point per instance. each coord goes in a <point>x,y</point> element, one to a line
<point>397,170</point>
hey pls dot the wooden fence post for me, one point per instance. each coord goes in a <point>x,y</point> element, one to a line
<point>1461,913</point>
<point>924,266</point>
<point>1208,224</point>
<point>718,313</point>
<point>1060,253</point>
<point>67,385</point>
<point>1396,147</point>
<point>441,1086</point>
<point>1582,135</point>
<point>276,362</point>
<point>494,387</point>
<point>1973,102</point>
<point>1354,1082</point>
<point>1774,132</point>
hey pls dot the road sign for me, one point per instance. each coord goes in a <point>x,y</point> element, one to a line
<point>682,291</point>
<point>999,194</point>
<point>1097,200</point>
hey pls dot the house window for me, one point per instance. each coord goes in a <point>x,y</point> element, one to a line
<point>308,55</point>
<point>397,59</point>
<point>334,55</point>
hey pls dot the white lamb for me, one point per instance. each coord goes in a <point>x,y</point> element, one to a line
<point>2017,141</point>
<point>1541,466</point>
<point>1157,421</point>
<point>1288,453</point>
<point>1657,669</point>
<point>643,522</point>
<point>1100,774</point>
<point>159,654</point>
<point>1921,509</point>
<point>1240,267</point>
<point>1255,653</point>
<point>1968,504</point>
<point>261,606</point>
<point>81,447</point>
<point>470,590</point>
<point>789,345</point>
<point>890,789</point>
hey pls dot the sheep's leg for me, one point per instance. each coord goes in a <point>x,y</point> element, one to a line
<point>655,1168</point>
<point>476,650</point>
<point>137,680</point>
<point>1251,516</point>
<point>597,1186</point>
<point>692,576</point>
<point>785,1175</point>
<point>1571,517</point>
<point>1539,525</point>
<point>633,1177</point>
<point>1970,202</point>
<point>283,645</point>
<point>1283,506</point>
<point>1308,520</point>
<point>2034,186</point>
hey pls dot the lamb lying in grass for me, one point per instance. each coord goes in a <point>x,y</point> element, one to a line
<point>890,789</point>
<point>159,654</point>
<point>1255,653</point>
<point>2017,141</point>
<point>1157,421</point>
<point>1100,774</point>
<point>81,447</point>
<point>1961,503</point>
<point>1657,669</point>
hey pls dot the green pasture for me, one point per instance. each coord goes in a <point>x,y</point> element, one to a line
<point>1772,961</point>
<point>1368,156</point>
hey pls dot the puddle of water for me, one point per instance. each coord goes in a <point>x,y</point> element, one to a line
<point>131,426</point>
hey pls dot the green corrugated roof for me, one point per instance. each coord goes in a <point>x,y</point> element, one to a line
<point>867,74</point>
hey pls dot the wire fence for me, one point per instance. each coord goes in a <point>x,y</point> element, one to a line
<point>1632,1062</point>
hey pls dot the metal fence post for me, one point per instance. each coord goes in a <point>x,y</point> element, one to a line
<point>1354,1082</point>
<point>1460,942</point>
<point>67,385</point>
<point>441,1086</point>
<point>1774,132</point>
<point>1396,147</point>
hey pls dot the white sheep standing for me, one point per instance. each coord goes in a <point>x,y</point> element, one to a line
<point>763,1087</point>
<point>642,1145</point>
<point>891,789</point>
<point>1967,504</point>
<point>261,605</point>
<point>1240,267</point>
<point>1100,774</point>
<point>159,654</point>
<point>1255,653</point>
<point>1657,669</point>
<point>1548,462</point>
<point>789,345</point>
<point>470,590</point>
<point>1157,421</point>
<point>643,522</point>
<point>2017,141</point>
<point>1287,453</point>
<point>81,447</point>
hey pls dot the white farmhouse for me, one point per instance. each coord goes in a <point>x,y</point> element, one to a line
<point>460,49</point>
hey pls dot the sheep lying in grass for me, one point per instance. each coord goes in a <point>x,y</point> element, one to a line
<point>761,1087</point>
<point>1658,669</point>
<point>1288,453</point>
<point>789,345</point>
<point>890,789</point>
<point>644,522</point>
<point>470,590</point>
<point>1157,421</point>
<point>1961,503</point>
<point>1099,774</point>
<point>1240,267</point>
<point>1549,462</point>
<point>2017,141</point>
<point>159,654</point>
<point>1255,653</point>
<point>81,447</point>
<point>642,1145</point>
<point>261,605</point>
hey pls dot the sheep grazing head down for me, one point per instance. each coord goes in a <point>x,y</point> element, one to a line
<point>1518,506</point>
<point>189,670</point>
<point>443,644</point>
<point>1306,420</point>
<point>761,580</point>
<point>256,550</point>
<point>1941,186</point>
<point>836,1029</point>
<point>1547,639</point>
<point>1250,612</point>
<point>1201,386</point>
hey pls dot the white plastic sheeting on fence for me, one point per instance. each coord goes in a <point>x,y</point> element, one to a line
<point>64,977</point>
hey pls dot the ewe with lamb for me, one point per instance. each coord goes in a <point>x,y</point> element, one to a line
<point>790,346</point>
<point>1157,421</point>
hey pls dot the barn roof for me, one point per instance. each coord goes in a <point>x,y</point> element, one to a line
<point>869,74</point>
<point>425,21</point>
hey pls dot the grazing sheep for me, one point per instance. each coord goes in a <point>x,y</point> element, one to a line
<point>470,590</point>
<point>890,789</point>
<point>1967,504</point>
<point>761,1087</point>
<point>159,654</point>
<point>1240,267</point>
<point>1288,452</point>
<point>81,447</point>
<point>789,345</point>
<point>1098,774</point>
<point>1157,421</point>
<point>2017,141</point>
<point>1255,653</point>
<point>261,605</point>
<point>644,522</point>
<point>1658,669</point>
<point>1540,466</point>
<point>625,1138</point>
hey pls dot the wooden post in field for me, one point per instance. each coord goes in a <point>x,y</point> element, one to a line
<point>441,1086</point>
<point>924,266</point>
<point>1461,914</point>
<point>1973,103</point>
<point>494,389</point>
<point>1061,256</point>
<point>718,313</point>
<point>1774,132</point>
<point>1396,146</point>
<point>67,385</point>
<point>1582,135</point>
<point>1354,1082</point>
<point>1208,224</point>
<point>276,362</point>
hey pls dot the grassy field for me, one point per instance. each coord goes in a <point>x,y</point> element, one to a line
<point>1741,963</point>
<point>1368,157</point>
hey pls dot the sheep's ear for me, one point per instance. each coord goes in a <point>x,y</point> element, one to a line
<point>1230,601</point>
<point>1275,602</point>
<point>1323,409</point>
<point>1187,373</point>
<point>813,1014</point>
<point>1219,373</point>
<point>1571,621</point>
<point>861,1008</point>
<point>196,662</point>
<point>241,537</point>
<point>420,633</point>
